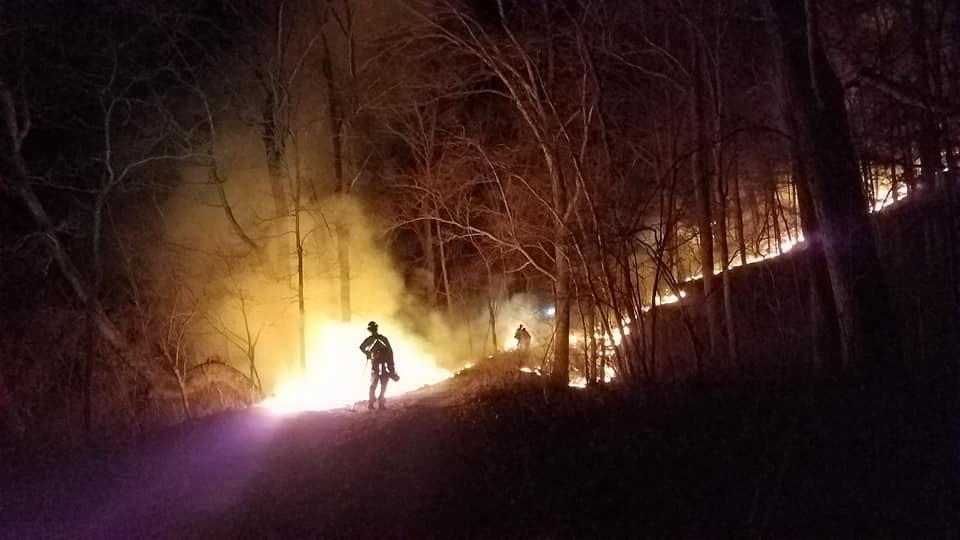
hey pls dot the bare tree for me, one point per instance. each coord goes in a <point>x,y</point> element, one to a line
<point>514,66</point>
<point>16,127</point>
<point>247,337</point>
<point>815,102</point>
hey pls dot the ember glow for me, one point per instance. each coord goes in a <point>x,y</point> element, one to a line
<point>581,382</point>
<point>338,375</point>
<point>576,382</point>
<point>662,300</point>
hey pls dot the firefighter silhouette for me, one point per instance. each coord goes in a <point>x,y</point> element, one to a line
<point>382,370</point>
<point>523,340</point>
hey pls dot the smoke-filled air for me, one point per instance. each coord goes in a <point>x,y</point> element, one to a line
<point>479,268</point>
<point>249,298</point>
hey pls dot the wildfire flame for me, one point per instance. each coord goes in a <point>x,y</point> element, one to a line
<point>577,382</point>
<point>338,376</point>
<point>581,382</point>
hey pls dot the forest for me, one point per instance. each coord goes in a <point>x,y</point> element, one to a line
<point>202,204</point>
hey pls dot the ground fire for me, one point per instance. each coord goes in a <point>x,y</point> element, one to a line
<point>479,268</point>
<point>337,373</point>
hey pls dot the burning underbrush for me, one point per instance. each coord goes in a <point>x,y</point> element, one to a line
<point>337,374</point>
<point>512,368</point>
<point>332,384</point>
<point>338,379</point>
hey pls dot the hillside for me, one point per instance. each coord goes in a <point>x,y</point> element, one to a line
<point>478,458</point>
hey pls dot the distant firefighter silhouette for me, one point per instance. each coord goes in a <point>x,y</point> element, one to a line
<point>380,354</point>
<point>523,339</point>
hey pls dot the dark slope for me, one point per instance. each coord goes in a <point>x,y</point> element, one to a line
<point>470,460</point>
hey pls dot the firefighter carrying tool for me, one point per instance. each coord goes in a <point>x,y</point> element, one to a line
<point>382,370</point>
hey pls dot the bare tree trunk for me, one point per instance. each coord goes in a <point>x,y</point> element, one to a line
<point>728,311</point>
<point>548,24</point>
<point>931,164</point>
<point>492,311</point>
<point>782,216</point>
<point>815,100</point>
<point>774,208</point>
<point>343,262</point>
<point>561,366</point>
<point>589,335</point>
<point>335,114</point>
<point>182,388</point>
<point>446,279</point>
<point>430,259</point>
<point>662,266</point>
<point>738,216</point>
<point>606,284</point>
<point>702,192</point>
<point>342,230</point>
<point>251,350</point>
<point>560,375</point>
<point>633,353</point>
<point>254,373</point>
<point>301,308</point>
<point>894,179</point>
<point>218,182</point>
<point>96,262</point>
<point>274,144</point>
<point>720,181</point>
<point>274,137</point>
<point>491,303</point>
<point>759,223</point>
<point>909,172</point>
<point>824,331</point>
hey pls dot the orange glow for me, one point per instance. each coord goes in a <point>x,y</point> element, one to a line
<point>338,376</point>
<point>581,382</point>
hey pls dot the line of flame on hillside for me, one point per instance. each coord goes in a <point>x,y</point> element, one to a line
<point>335,378</point>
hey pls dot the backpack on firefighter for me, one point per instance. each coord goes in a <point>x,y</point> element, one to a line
<point>381,358</point>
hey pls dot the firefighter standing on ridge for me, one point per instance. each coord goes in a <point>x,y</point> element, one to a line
<point>380,353</point>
